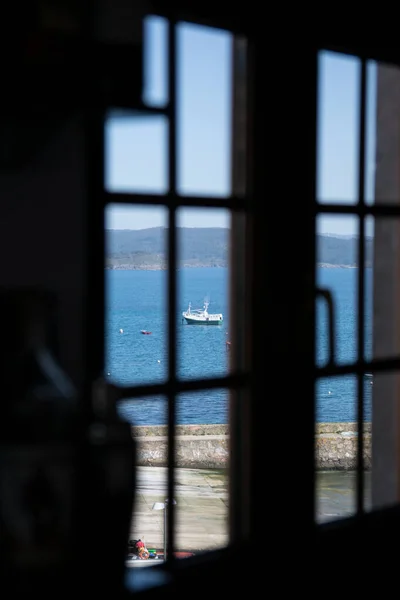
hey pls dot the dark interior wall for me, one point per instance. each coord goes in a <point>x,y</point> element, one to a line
<point>42,233</point>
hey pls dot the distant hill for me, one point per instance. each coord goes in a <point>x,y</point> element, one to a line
<point>207,247</point>
<point>147,248</point>
<point>342,250</point>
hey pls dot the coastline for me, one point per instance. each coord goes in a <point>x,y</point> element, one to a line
<point>209,266</point>
<point>333,266</point>
<point>161,267</point>
<point>207,446</point>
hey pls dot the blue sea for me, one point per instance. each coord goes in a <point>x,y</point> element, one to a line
<point>136,301</point>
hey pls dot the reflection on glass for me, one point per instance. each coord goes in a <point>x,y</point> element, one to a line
<point>369,288</point>
<point>383,133</point>
<point>383,292</point>
<point>384,454</point>
<point>370,132</point>
<point>136,340</point>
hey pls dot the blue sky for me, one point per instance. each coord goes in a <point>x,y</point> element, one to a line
<point>338,135</point>
<point>136,146</point>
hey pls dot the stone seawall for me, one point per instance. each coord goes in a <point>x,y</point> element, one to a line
<point>336,446</point>
<point>207,446</point>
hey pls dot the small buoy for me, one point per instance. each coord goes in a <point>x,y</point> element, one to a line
<point>329,392</point>
<point>121,331</point>
<point>108,373</point>
<point>159,361</point>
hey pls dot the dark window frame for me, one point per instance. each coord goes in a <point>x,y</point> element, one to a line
<point>258,261</point>
<point>238,378</point>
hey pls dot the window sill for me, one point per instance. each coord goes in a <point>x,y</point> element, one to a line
<point>199,570</point>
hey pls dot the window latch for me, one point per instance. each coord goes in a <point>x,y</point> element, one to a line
<point>327,296</point>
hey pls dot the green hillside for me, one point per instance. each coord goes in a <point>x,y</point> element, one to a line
<point>208,247</point>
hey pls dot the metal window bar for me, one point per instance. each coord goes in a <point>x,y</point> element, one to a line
<point>361,290</point>
<point>172,176</point>
<point>234,380</point>
<point>234,203</point>
<point>380,365</point>
<point>374,210</point>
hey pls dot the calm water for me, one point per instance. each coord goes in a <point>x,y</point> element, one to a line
<point>136,301</point>
<point>336,397</point>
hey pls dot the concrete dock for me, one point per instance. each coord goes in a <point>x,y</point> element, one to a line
<point>336,494</point>
<point>201,508</point>
<point>202,505</point>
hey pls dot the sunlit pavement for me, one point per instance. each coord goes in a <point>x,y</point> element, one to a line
<point>336,494</point>
<point>202,506</point>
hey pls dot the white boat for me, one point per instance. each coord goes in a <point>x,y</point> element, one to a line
<point>201,317</point>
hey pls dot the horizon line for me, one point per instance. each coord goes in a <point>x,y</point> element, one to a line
<point>325,234</point>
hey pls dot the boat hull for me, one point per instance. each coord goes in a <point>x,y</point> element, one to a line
<point>201,322</point>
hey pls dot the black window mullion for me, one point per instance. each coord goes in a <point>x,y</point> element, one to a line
<point>95,244</point>
<point>172,34</point>
<point>231,381</point>
<point>376,365</point>
<point>383,209</point>
<point>361,291</point>
<point>233,203</point>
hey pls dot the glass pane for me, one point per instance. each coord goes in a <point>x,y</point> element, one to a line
<point>383,291</point>
<point>151,478</point>
<point>202,473</point>
<point>337,400</point>
<point>337,257</point>
<point>204,98</point>
<point>383,457</point>
<point>370,133</point>
<point>336,447</point>
<point>383,134</point>
<point>155,92</point>
<point>336,494</point>
<point>203,283</point>
<point>338,128</point>
<point>136,153</point>
<point>382,342</point>
<point>368,287</point>
<point>382,295</point>
<point>203,408</point>
<point>135,261</point>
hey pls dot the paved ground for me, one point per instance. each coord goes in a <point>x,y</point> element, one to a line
<point>202,509</point>
<point>336,494</point>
